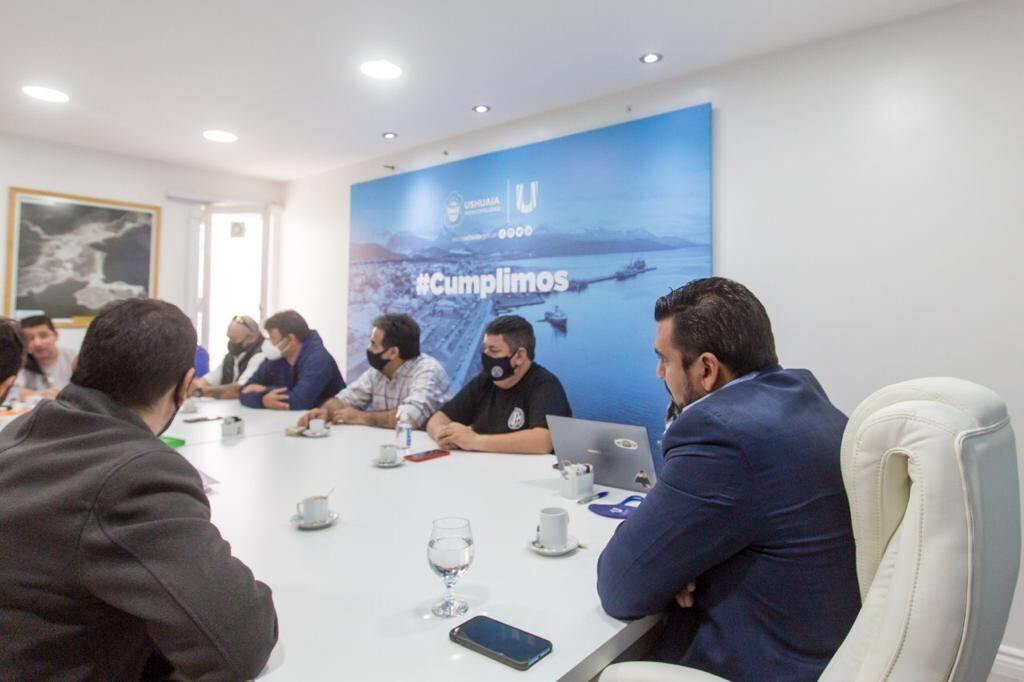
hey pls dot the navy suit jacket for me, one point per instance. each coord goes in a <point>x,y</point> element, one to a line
<point>749,504</point>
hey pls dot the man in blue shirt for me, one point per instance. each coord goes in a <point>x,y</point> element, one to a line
<point>298,372</point>
<point>745,539</point>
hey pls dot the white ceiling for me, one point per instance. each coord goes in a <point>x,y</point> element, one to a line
<point>146,77</point>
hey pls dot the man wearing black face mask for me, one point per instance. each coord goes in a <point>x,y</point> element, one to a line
<point>245,355</point>
<point>400,378</point>
<point>109,565</point>
<point>505,408</point>
<point>12,355</point>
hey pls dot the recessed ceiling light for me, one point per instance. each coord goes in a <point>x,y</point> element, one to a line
<point>389,135</point>
<point>45,94</point>
<point>381,68</point>
<point>481,108</point>
<point>650,58</point>
<point>220,136</point>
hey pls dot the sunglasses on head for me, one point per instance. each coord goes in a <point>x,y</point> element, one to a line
<point>246,322</point>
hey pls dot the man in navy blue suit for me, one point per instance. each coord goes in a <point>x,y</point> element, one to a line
<point>745,540</point>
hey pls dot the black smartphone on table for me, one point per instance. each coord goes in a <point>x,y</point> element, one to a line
<point>500,641</point>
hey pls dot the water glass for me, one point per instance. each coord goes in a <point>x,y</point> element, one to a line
<point>450,552</point>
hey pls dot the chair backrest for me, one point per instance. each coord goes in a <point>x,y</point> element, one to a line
<point>930,469</point>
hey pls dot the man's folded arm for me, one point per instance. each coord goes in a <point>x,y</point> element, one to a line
<point>699,514</point>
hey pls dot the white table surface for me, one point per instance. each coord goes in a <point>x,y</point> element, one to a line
<point>258,422</point>
<point>354,599</point>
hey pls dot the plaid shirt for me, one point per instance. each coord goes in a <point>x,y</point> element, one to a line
<point>420,384</point>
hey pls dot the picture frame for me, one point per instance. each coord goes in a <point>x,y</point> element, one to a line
<point>68,255</point>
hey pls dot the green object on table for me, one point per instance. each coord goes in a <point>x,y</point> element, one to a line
<point>172,441</point>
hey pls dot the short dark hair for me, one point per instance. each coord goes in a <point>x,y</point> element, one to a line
<point>401,331</point>
<point>12,348</point>
<point>288,322</point>
<point>720,316</point>
<point>135,350</point>
<point>37,321</point>
<point>517,332</point>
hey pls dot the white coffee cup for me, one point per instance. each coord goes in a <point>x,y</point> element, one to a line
<point>313,509</point>
<point>317,425</point>
<point>553,528</point>
<point>388,454</point>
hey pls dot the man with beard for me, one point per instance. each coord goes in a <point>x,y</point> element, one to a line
<point>109,565</point>
<point>244,357</point>
<point>745,539</point>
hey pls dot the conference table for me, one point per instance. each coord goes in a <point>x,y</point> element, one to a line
<point>354,599</point>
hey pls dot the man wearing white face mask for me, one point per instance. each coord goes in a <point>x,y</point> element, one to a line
<point>298,372</point>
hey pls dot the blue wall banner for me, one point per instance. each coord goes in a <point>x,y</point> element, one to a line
<point>579,235</point>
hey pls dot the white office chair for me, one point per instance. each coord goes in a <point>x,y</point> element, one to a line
<point>930,468</point>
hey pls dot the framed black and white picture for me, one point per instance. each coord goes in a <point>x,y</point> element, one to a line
<point>67,255</point>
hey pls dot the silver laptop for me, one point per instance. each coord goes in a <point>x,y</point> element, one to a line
<point>620,453</point>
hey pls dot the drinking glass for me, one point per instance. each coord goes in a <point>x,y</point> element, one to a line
<point>450,552</point>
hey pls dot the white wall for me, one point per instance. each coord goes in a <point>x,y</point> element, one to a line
<point>74,170</point>
<point>867,189</point>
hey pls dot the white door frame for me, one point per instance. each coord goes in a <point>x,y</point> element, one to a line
<point>205,238</point>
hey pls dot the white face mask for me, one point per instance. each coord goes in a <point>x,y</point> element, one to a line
<point>271,351</point>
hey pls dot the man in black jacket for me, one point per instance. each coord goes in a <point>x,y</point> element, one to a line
<point>109,565</point>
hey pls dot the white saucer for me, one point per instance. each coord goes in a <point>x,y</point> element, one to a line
<point>547,551</point>
<point>314,525</point>
<point>381,465</point>
<point>316,434</point>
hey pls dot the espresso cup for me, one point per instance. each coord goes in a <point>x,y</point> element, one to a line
<point>313,509</point>
<point>317,425</point>
<point>553,528</point>
<point>388,454</point>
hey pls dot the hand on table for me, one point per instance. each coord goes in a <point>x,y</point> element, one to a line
<point>316,413</point>
<point>456,436</point>
<point>276,399</point>
<point>685,596</point>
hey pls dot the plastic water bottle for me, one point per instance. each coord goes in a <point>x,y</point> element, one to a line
<point>403,433</point>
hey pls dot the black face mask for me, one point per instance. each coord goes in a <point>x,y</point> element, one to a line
<point>235,348</point>
<point>177,406</point>
<point>376,360</point>
<point>498,369</point>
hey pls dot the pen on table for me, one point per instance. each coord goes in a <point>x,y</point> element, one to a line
<point>591,498</point>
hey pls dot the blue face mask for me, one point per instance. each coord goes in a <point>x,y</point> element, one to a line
<point>498,369</point>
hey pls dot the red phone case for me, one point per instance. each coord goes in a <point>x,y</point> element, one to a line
<point>428,455</point>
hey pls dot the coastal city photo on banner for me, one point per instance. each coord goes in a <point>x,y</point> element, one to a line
<point>579,235</point>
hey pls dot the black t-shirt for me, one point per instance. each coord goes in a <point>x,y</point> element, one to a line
<point>492,410</point>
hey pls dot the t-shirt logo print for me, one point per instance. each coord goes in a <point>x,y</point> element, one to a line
<point>516,419</point>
